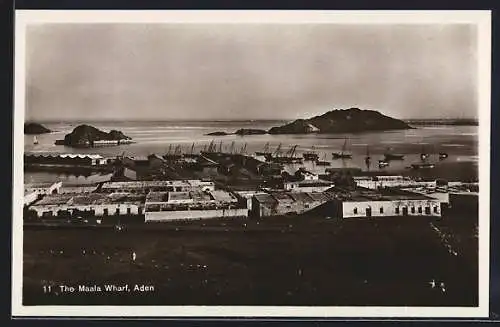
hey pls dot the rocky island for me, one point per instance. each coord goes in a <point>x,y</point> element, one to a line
<point>89,136</point>
<point>35,128</point>
<point>352,120</point>
<point>241,132</point>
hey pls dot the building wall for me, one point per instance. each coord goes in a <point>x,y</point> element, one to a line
<point>194,214</point>
<point>353,209</point>
<point>99,209</point>
<point>283,208</point>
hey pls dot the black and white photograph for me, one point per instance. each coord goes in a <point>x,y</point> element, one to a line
<point>252,163</point>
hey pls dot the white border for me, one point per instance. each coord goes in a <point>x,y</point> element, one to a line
<point>480,18</point>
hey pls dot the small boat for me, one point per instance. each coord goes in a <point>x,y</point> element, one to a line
<point>35,140</point>
<point>310,155</point>
<point>388,155</point>
<point>423,165</point>
<point>383,163</point>
<point>424,155</point>
<point>443,155</point>
<point>323,162</point>
<point>343,154</point>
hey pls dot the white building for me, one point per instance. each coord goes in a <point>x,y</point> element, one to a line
<point>366,203</point>
<point>96,203</point>
<point>307,175</point>
<point>169,206</point>
<point>30,197</point>
<point>376,182</point>
<point>308,186</point>
<point>144,187</point>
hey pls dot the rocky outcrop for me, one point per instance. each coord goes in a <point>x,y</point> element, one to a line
<point>35,128</point>
<point>352,120</point>
<point>86,135</point>
<point>218,134</point>
<point>250,131</point>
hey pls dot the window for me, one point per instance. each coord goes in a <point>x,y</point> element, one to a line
<point>381,210</point>
<point>427,210</point>
<point>129,211</point>
<point>397,210</point>
<point>355,211</point>
<point>412,209</point>
<point>435,209</point>
<point>419,209</point>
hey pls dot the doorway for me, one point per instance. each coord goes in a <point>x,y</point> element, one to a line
<point>369,212</point>
<point>405,211</point>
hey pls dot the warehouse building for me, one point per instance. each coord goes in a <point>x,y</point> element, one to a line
<point>308,185</point>
<point>66,159</point>
<point>285,203</point>
<point>170,206</point>
<point>365,203</point>
<point>376,182</point>
<point>144,187</point>
<point>94,204</point>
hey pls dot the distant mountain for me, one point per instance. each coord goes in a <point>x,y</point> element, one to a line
<point>86,135</point>
<point>250,131</point>
<point>352,120</point>
<point>35,128</point>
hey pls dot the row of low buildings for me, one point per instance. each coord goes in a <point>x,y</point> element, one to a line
<point>198,199</point>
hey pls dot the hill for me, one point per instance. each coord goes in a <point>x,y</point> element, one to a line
<point>86,135</point>
<point>352,120</point>
<point>35,128</point>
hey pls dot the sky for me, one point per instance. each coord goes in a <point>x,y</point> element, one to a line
<point>248,71</point>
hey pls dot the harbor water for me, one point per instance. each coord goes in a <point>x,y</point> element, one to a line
<point>459,142</point>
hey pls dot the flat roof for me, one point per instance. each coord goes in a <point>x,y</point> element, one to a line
<point>141,184</point>
<point>222,196</point>
<point>40,185</point>
<point>386,194</point>
<point>172,196</point>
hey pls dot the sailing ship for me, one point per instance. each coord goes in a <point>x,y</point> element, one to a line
<point>343,154</point>
<point>288,158</point>
<point>265,152</point>
<point>35,140</point>
<point>389,155</point>
<point>323,162</point>
<point>310,155</point>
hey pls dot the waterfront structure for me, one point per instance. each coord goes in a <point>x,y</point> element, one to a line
<point>65,159</point>
<point>79,188</point>
<point>170,206</point>
<point>376,182</point>
<point>92,204</point>
<point>283,203</point>
<point>144,187</point>
<point>43,188</point>
<point>308,185</point>
<point>440,193</point>
<point>306,175</point>
<point>384,202</point>
<point>30,197</point>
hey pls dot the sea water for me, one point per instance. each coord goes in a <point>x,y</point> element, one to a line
<point>459,142</point>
